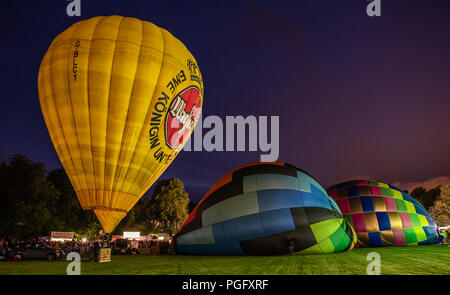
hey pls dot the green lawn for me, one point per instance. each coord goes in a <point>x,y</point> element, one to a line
<point>433,259</point>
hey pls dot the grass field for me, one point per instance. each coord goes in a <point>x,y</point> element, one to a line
<point>410,260</point>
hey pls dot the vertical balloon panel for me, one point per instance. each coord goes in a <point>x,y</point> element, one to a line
<point>108,87</point>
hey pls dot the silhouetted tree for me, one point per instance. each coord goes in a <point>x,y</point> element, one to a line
<point>139,218</point>
<point>27,200</point>
<point>440,211</point>
<point>69,210</point>
<point>169,206</point>
<point>426,198</point>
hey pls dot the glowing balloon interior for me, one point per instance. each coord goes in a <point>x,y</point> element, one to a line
<point>120,97</point>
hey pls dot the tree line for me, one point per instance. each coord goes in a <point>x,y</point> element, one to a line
<point>34,202</point>
<point>436,201</point>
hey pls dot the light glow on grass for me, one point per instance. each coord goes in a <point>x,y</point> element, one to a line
<point>405,260</point>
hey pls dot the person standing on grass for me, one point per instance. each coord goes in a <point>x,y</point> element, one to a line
<point>97,247</point>
<point>440,236</point>
<point>8,251</point>
<point>291,245</point>
<point>443,236</point>
<point>2,250</point>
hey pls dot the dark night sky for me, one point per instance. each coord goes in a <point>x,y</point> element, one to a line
<point>356,96</point>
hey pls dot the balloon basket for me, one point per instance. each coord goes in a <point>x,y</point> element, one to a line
<point>104,255</point>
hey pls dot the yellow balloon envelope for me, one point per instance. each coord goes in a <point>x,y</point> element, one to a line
<point>120,97</point>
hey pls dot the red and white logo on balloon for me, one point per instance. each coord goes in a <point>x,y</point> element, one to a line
<point>183,113</point>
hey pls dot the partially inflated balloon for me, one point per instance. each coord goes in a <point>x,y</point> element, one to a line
<point>383,215</point>
<point>120,97</point>
<point>264,209</point>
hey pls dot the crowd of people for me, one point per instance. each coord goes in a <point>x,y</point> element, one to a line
<point>153,246</point>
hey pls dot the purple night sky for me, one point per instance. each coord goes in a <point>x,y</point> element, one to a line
<point>357,96</point>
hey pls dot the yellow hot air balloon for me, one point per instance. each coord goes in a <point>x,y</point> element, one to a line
<point>120,97</point>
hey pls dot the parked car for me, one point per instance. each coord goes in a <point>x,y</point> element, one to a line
<point>22,252</point>
<point>121,246</point>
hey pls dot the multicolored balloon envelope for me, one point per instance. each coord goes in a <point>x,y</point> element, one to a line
<point>383,215</point>
<point>265,209</point>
